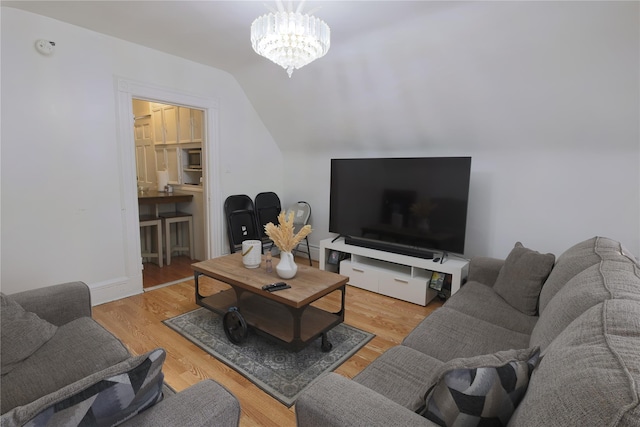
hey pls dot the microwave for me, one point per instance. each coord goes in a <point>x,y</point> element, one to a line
<point>194,158</point>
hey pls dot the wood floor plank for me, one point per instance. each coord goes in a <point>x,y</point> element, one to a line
<point>137,322</point>
<point>153,275</point>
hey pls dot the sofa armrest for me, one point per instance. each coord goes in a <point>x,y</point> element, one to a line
<point>57,304</point>
<point>484,270</point>
<point>334,400</point>
<point>206,403</point>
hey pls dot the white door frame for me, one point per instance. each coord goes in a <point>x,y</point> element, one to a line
<point>126,90</point>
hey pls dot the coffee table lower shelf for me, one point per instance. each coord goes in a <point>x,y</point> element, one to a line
<point>294,328</point>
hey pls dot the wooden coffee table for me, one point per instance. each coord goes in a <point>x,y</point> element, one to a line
<point>284,315</point>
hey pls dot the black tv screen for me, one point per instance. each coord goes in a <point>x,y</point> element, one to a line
<point>412,206</point>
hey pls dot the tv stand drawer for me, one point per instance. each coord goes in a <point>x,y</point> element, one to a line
<point>359,276</point>
<point>409,289</point>
<point>394,281</point>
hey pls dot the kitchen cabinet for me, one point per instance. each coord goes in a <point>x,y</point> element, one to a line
<point>173,165</point>
<point>197,125</point>
<point>168,158</point>
<point>184,125</point>
<point>189,125</point>
<point>161,162</point>
<point>165,123</point>
<point>158,126</point>
<point>145,153</point>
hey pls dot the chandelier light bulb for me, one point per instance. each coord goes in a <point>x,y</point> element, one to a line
<point>290,39</point>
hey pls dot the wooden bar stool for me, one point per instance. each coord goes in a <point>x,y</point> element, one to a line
<point>146,244</point>
<point>178,218</point>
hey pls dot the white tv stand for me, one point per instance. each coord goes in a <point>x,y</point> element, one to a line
<point>398,276</point>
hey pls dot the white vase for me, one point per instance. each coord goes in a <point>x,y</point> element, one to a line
<point>286,268</point>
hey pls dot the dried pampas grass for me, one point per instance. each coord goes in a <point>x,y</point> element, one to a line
<point>282,234</point>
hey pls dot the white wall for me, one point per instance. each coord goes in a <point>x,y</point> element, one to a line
<point>549,199</point>
<point>544,96</point>
<point>62,201</point>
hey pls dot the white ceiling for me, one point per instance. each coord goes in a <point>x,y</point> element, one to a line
<point>399,74</point>
<point>215,32</point>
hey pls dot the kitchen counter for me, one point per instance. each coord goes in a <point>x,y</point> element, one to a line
<point>153,197</point>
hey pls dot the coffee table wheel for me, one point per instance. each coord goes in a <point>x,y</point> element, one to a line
<point>235,327</point>
<point>326,346</point>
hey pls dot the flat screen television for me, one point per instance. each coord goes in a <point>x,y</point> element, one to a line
<point>410,206</point>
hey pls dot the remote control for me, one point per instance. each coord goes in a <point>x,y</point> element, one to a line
<point>272,285</point>
<point>275,287</point>
<point>279,288</point>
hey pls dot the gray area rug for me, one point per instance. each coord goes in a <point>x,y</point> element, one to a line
<point>281,373</point>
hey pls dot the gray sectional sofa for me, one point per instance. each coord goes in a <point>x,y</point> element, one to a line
<point>60,367</point>
<point>527,341</point>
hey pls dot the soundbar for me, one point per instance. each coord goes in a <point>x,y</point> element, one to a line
<point>395,248</point>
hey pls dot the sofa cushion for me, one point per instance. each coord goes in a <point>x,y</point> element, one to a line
<point>589,374</point>
<point>576,259</point>
<point>78,349</point>
<point>484,270</point>
<point>206,403</point>
<point>448,334</point>
<point>474,298</point>
<point>401,374</point>
<point>482,390</point>
<point>602,281</point>
<point>522,276</point>
<point>106,398</point>
<point>22,333</point>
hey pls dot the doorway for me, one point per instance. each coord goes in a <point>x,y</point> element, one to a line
<point>212,225</point>
<point>168,142</point>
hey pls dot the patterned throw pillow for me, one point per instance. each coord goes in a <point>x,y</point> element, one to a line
<point>107,398</point>
<point>480,391</point>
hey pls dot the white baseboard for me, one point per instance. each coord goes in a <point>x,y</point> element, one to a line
<point>114,289</point>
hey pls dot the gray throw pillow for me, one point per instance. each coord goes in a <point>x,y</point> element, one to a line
<point>480,390</point>
<point>521,278</point>
<point>21,334</point>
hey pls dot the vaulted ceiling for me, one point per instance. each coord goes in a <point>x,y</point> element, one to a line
<point>399,74</point>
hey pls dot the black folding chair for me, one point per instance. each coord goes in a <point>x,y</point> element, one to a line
<point>268,208</point>
<point>241,221</point>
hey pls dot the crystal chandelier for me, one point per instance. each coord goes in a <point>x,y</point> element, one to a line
<point>290,39</point>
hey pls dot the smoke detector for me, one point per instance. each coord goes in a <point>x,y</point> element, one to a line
<point>45,47</point>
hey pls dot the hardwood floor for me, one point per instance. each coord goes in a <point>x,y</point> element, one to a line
<point>180,268</point>
<point>137,321</point>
